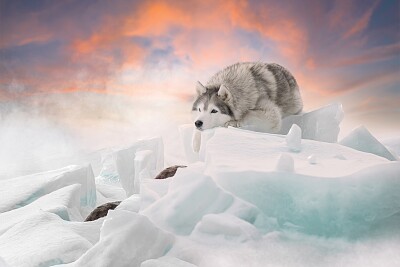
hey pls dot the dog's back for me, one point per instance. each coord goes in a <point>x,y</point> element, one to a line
<point>288,96</point>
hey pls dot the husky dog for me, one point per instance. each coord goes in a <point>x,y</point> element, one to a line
<point>255,96</point>
<point>245,94</point>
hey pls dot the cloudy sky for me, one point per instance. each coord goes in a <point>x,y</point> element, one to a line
<point>152,52</point>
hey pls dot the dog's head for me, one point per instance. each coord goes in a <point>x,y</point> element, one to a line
<point>212,108</point>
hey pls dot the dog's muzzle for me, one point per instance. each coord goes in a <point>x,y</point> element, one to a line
<point>198,124</point>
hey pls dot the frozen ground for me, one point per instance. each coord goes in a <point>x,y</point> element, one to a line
<point>246,199</point>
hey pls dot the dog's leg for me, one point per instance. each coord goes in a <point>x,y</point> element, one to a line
<point>273,117</point>
<point>196,141</point>
<point>233,124</point>
<point>267,119</point>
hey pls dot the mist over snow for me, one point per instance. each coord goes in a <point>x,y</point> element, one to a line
<point>49,131</point>
<point>297,198</point>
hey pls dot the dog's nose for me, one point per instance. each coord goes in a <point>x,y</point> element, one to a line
<point>198,124</point>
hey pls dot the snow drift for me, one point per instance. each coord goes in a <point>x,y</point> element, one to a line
<point>246,199</point>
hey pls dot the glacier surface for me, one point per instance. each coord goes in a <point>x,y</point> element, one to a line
<point>245,199</point>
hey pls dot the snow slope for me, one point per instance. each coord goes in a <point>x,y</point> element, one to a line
<point>45,239</point>
<point>247,199</point>
<point>361,139</point>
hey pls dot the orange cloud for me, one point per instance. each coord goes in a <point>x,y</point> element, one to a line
<point>291,39</point>
<point>156,18</point>
<point>201,29</point>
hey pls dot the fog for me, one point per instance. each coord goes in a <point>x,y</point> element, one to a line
<point>48,131</point>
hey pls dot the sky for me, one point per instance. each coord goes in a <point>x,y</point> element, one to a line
<point>79,64</point>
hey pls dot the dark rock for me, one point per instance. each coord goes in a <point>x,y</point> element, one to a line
<point>101,211</point>
<point>169,172</point>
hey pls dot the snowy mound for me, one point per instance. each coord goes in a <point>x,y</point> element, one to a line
<point>337,195</point>
<point>246,199</point>
<point>361,139</point>
<point>236,150</point>
<point>23,190</point>
<point>321,124</point>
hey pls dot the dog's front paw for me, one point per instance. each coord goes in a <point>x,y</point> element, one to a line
<point>196,141</point>
<point>276,126</point>
<point>232,124</point>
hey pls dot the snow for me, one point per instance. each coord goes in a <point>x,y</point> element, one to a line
<point>21,191</point>
<point>312,159</point>
<point>245,199</point>
<point>360,191</point>
<point>131,203</point>
<point>227,226</point>
<point>152,190</point>
<point>393,144</point>
<point>109,192</point>
<point>166,262</point>
<point>293,138</point>
<point>321,124</point>
<point>240,151</point>
<point>190,196</point>
<point>64,202</point>
<point>362,140</point>
<point>126,239</point>
<point>128,172</point>
<point>3,263</point>
<point>285,163</point>
<point>46,239</point>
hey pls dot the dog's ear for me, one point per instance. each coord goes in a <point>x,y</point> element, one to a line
<point>200,89</point>
<point>224,93</point>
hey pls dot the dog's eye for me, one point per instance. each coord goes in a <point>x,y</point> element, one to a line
<point>214,111</point>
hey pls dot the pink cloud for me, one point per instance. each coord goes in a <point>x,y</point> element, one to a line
<point>204,36</point>
<point>370,55</point>
<point>361,24</point>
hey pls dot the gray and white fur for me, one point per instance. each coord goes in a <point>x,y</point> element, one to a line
<point>247,94</point>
